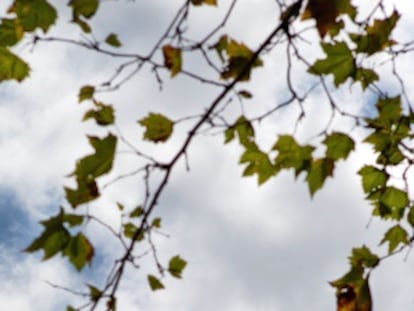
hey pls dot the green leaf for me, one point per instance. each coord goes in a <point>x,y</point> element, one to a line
<point>362,256</point>
<point>154,283</point>
<point>12,67</point>
<point>104,115</point>
<point>245,132</point>
<point>172,59</point>
<point>100,162</point>
<point>86,92</point>
<point>156,223</point>
<point>393,197</point>
<point>86,191</point>
<point>176,266</point>
<point>377,36</point>
<point>113,40</point>
<point>137,212</point>
<point>395,236</point>
<point>79,251</point>
<point>410,216</point>
<point>372,178</point>
<point>339,62</point>
<point>292,155</point>
<point>11,32</point>
<point>54,238</point>
<point>70,308</point>
<point>73,220</point>
<point>320,169</point>
<point>34,14</point>
<point>366,77</point>
<point>338,145</point>
<point>85,8</point>
<point>158,127</point>
<point>257,163</point>
<point>245,94</point>
<point>130,229</point>
<point>94,293</point>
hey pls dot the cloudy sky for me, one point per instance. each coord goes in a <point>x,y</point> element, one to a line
<point>247,247</point>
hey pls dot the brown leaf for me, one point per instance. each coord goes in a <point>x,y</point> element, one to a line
<point>324,12</point>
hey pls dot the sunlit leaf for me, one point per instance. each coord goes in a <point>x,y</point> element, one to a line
<point>158,127</point>
<point>154,283</point>
<point>176,266</point>
<point>172,59</point>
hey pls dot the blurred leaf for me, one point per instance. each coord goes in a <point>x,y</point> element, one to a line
<point>85,8</point>
<point>172,59</point>
<point>79,251</point>
<point>34,14</point>
<point>395,236</point>
<point>94,293</point>
<point>11,32</point>
<point>176,266</point>
<point>158,127</point>
<point>70,308</point>
<point>339,62</point>
<point>104,115</point>
<point>200,2</point>
<point>137,212</point>
<point>377,36</point>
<point>154,283</point>
<point>366,77</point>
<point>324,12</point>
<point>130,229</point>
<point>292,155</point>
<point>245,94</point>
<point>362,256</point>
<point>86,92</point>
<point>257,163</point>
<point>98,163</point>
<point>372,178</point>
<point>156,223</point>
<point>12,67</point>
<point>410,216</point>
<point>86,191</point>
<point>320,169</point>
<point>113,40</point>
<point>338,145</point>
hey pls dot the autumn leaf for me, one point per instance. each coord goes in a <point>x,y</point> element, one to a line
<point>172,59</point>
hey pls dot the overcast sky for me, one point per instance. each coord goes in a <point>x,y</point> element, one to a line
<point>247,247</point>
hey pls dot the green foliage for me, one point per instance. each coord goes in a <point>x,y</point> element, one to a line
<point>89,168</point>
<point>12,67</point>
<point>394,237</point>
<point>86,92</point>
<point>11,32</point>
<point>176,266</point>
<point>158,127</point>
<point>82,9</point>
<point>112,40</point>
<point>103,115</point>
<point>339,146</point>
<point>34,14</point>
<point>56,238</point>
<point>154,282</point>
<point>237,57</point>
